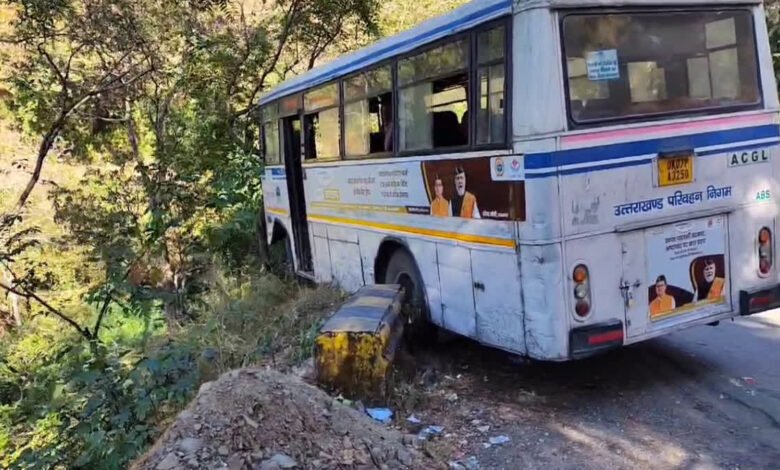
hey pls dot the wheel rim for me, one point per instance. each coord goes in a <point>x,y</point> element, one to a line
<point>405,280</point>
<point>410,302</point>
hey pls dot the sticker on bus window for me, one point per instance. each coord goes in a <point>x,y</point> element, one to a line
<point>603,65</point>
<point>507,168</point>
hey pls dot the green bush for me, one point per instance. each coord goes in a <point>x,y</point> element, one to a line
<point>66,403</point>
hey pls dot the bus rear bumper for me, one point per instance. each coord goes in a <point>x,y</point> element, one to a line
<point>595,339</point>
<point>757,301</point>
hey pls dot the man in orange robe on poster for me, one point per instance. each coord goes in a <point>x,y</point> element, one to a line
<point>464,204</point>
<point>663,303</point>
<point>440,207</point>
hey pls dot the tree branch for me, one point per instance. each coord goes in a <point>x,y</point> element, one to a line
<point>283,37</point>
<point>103,310</point>
<point>48,141</point>
<point>32,295</point>
<point>322,45</point>
<point>54,67</point>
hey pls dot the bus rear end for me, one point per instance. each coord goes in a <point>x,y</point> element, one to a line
<point>667,172</point>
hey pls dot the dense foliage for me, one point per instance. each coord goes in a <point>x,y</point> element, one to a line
<point>131,247</point>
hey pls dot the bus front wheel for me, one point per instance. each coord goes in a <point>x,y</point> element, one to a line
<point>281,257</point>
<point>402,269</point>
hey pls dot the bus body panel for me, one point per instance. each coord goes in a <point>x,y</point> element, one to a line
<point>546,327</point>
<point>602,255</point>
<point>537,101</point>
<point>346,265</point>
<point>323,267</point>
<point>276,202</point>
<point>765,60</point>
<point>498,300</point>
<point>425,253</point>
<point>459,313</point>
<point>543,220</point>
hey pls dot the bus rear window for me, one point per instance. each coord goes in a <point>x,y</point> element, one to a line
<point>631,65</point>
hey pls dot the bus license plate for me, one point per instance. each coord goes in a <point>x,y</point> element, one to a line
<point>675,170</point>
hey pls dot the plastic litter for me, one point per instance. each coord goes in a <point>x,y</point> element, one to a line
<point>470,463</point>
<point>736,383</point>
<point>499,440</point>
<point>414,419</point>
<point>383,415</point>
<point>430,431</point>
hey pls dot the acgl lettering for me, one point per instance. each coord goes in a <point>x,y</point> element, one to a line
<point>747,158</point>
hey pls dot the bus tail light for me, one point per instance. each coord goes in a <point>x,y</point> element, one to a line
<point>581,278</point>
<point>765,252</point>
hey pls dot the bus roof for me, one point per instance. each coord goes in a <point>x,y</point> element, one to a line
<point>460,19</point>
<point>526,4</point>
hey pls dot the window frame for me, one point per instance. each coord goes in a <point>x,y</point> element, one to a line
<point>471,36</point>
<point>573,124</point>
<point>464,36</point>
<point>303,113</point>
<point>344,102</point>
<point>508,81</point>
<point>295,96</point>
<point>276,119</point>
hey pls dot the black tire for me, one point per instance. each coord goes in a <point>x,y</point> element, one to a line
<point>402,269</point>
<point>281,258</point>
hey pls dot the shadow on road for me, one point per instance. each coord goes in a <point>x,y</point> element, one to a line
<point>677,402</point>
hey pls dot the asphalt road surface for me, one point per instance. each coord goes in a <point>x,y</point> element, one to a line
<point>703,398</point>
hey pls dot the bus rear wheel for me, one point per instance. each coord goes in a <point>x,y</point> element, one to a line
<point>402,269</point>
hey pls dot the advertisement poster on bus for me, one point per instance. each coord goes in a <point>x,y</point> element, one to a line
<point>463,188</point>
<point>686,267</point>
<point>466,189</point>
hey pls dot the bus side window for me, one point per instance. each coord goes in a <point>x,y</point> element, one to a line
<point>368,113</point>
<point>491,77</point>
<point>270,135</point>
<point>322,124</point>
<point>433,91</point>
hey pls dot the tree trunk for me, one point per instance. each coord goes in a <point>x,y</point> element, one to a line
<point>174,302</point>
<point>175,281</point>
<point>13,300</point>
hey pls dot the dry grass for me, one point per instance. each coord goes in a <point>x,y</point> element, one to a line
<point>260,320</point>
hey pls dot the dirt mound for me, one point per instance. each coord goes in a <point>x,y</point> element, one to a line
<point>263,419</point>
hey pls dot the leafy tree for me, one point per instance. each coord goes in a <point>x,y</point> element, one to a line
<point>165,92</point>
<point>157,102</point>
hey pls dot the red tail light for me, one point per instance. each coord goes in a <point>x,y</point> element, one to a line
<point>581,278</point>
<point>765,251</point>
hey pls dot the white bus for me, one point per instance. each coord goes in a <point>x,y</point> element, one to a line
<point>550,177</point>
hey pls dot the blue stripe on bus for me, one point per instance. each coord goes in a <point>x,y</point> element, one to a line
<point>574,171</point>
<point>373,57</point>
<point>540,161</point>
<point>739,148</point>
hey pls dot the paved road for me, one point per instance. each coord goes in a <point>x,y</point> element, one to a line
<point>705,398</point>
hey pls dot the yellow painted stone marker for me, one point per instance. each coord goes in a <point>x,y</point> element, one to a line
<point>355,348</point>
